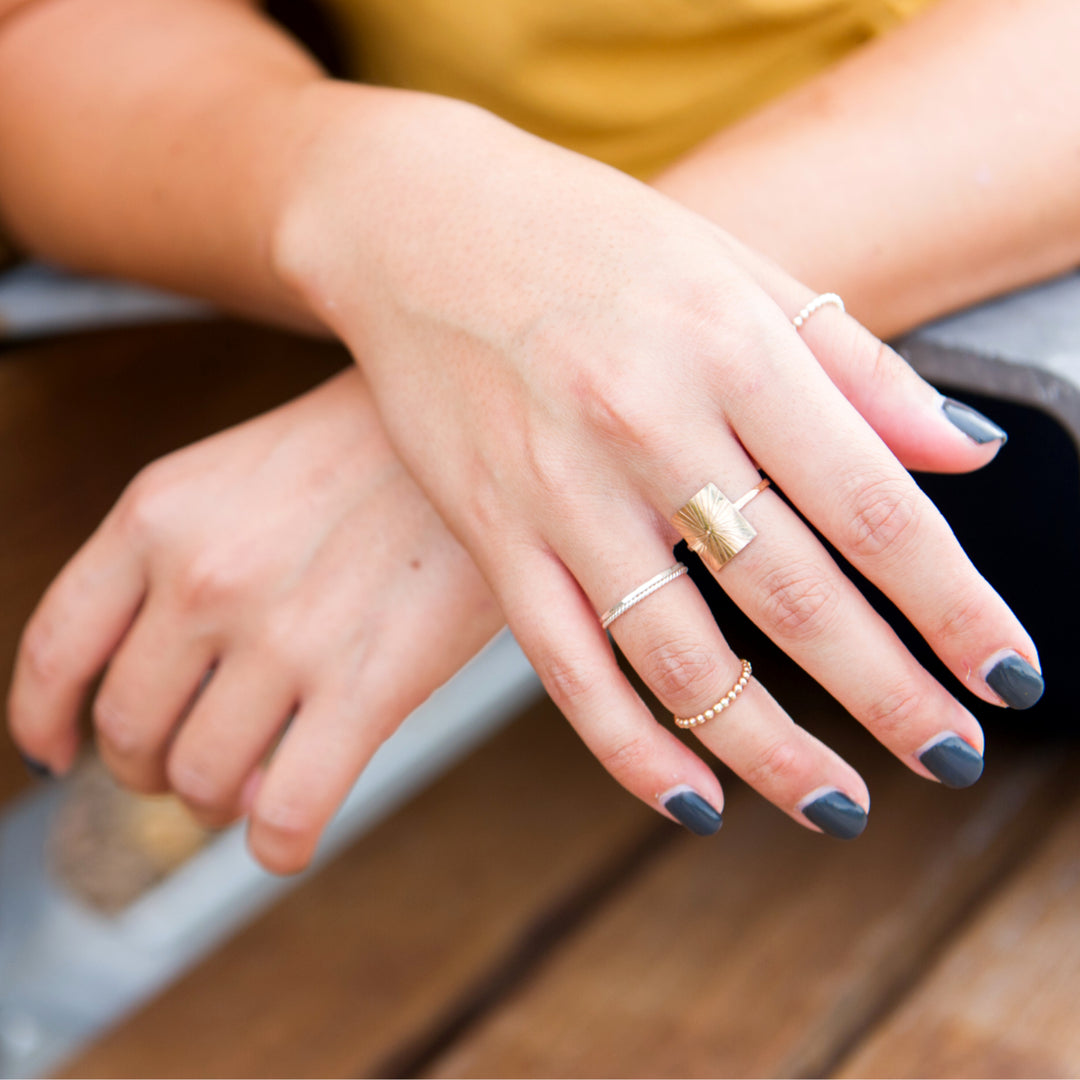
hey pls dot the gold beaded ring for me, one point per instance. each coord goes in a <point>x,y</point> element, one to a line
<point>724,703</point>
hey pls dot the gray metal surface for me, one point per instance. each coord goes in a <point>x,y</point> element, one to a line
<point>1024,347</point>
<point>39,301</point>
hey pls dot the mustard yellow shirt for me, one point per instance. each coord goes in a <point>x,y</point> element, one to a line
<point>635,83</point>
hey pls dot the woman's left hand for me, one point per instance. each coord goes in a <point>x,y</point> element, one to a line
<point>276,577</point>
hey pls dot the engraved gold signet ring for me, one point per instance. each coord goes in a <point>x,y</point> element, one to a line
<point>713,527</point>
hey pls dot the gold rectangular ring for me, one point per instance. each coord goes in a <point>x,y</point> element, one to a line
<point>713,527</point>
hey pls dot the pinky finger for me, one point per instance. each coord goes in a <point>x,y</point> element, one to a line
<point>563,639</point>
<point>287,813</point>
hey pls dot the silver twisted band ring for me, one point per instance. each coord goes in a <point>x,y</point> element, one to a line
<point>639,594</point>
<point>818,302</point>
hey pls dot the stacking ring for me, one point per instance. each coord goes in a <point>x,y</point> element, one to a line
<point>713,527</point>
<point>724,703</point>
<point>818,302</point>
<point>639,594</point>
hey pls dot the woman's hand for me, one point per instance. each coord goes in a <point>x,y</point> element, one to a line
<point>285,572</point>
<point>563,358</point>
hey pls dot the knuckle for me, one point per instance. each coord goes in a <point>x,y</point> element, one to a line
<point>549,469</point>
<point>873,361</point>
<point>116,726</point>
<point>39,655</point>
<point>614,398</point>
<point>144,783</point>
<point>209,580</point>
<point>961,619</point>
<point>772,766</point>
<point>885,514</point>
<point>888,368</point>
<point>891,714</point>
<point>681,671</point>
<point>282,639</point>
<point>798,602</point>
<point>623,418</point>
<point>626,759</point>
<point>567,679</point>
<point>144,507</point>
<point>195,783</point>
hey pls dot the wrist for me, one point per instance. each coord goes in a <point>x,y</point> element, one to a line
<point>344,198</point>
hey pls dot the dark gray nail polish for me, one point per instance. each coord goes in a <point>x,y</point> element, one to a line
<point>972,423</point>
<point>35,768</point>
<point>955,763</point>
<point>690,809</point>
<point>837,815</point>
<point>1015,681</point>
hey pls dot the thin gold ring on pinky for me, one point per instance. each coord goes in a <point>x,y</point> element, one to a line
<point>724,703</point>
<point>818,302</point>
<point>713,527</point>
<point>639,594</point>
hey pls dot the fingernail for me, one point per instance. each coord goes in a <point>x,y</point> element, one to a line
<point>957,764</point>
<point>688,808</point>
<point>36,768</point>
<point>1015,681</point>
<point>972,423</point>
<point>834,813</point>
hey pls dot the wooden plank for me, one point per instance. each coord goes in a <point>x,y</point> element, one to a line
<point>80,415</point>
<point>404,935</point>
<point>1004,1000</point>
<point>766,952</point>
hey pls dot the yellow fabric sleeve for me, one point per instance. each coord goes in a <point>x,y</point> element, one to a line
<point>635,83</point>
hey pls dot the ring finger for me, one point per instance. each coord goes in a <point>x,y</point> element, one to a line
<point>230,729</point>
<point>673,642</point>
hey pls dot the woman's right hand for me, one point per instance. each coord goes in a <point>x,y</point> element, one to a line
<point>563,358</point>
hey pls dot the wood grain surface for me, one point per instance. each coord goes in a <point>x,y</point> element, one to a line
<point>768,952</point>
<point>1004,1000</point>
<point>81,414</point>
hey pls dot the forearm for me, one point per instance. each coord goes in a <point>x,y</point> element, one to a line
<point>154,140</point>
<point>936,167</point>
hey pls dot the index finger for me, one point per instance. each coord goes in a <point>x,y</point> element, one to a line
<point>845,480</point>
<point>74,630</point>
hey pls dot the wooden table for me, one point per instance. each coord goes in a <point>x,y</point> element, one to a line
<point>524,917</point>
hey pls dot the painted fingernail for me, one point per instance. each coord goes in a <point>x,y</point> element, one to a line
<point>972,422</point>
<point>957,764</point>
<point>1015,681</point>
<point>36,768</point>
<point>834,813</point>
<point>688,808</point>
